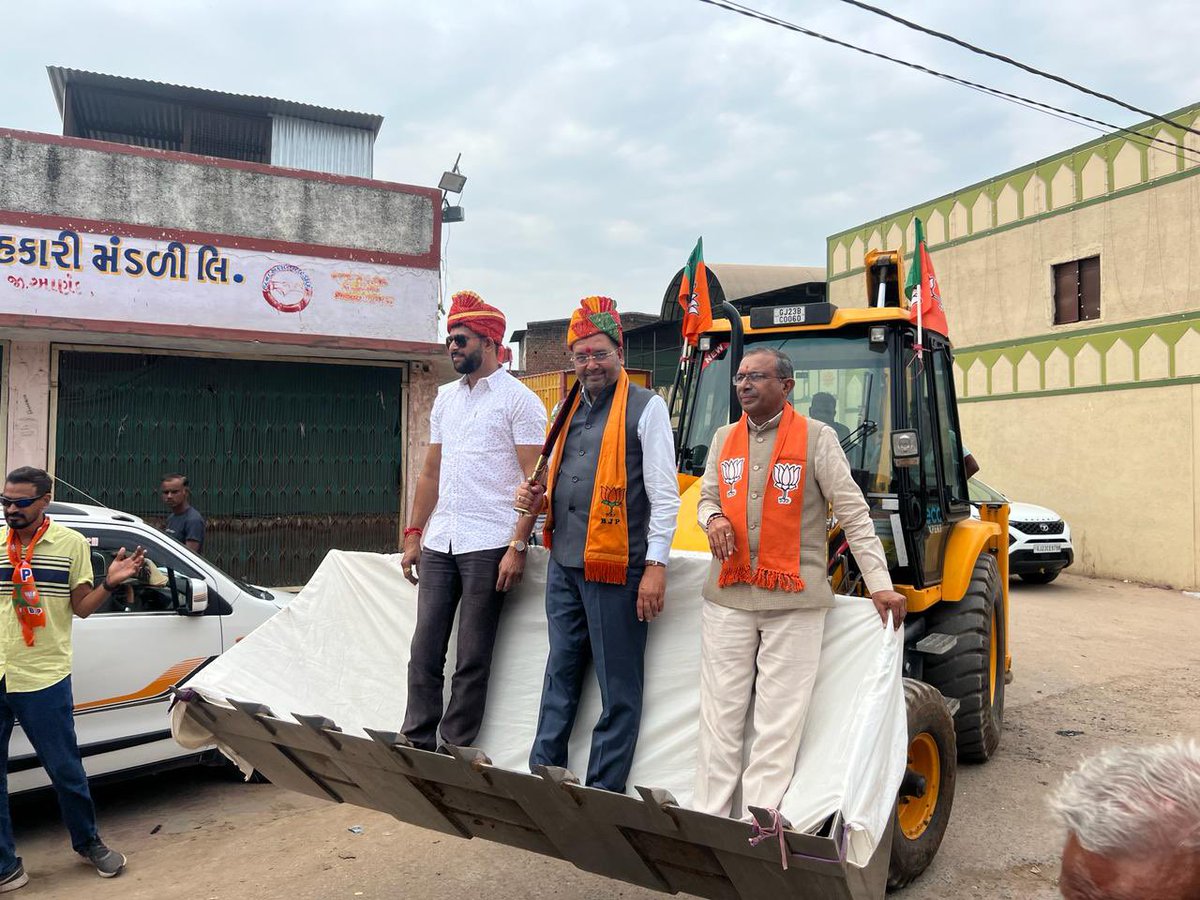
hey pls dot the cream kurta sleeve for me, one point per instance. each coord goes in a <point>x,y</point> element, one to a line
<point>710,482</point>
<point>832,472</point>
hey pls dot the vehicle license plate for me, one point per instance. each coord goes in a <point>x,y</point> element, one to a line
<point>1046,548</point>
<point>791,315</point>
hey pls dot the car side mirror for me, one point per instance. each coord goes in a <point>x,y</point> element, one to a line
<point>192,594</point>
<point>696,457</point>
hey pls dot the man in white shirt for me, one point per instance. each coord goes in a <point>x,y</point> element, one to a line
<point>614,497</point>
<point>466,542</point>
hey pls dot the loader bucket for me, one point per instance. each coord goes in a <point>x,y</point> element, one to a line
<point>648,840</point>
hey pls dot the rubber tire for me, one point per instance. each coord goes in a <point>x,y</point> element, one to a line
<point>1040,577</point>
<point>963,674</point>
<point>927,711</point>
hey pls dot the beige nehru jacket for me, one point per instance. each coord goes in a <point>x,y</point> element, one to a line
<point>827,481</point>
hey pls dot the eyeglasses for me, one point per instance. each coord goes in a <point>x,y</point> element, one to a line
<point>752,377</point>
<point>23,503</point>
<point>582,359</point>
<point>458,340</point>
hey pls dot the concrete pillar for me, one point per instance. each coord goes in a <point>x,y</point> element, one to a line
<point>28,404</point>
<point>423,384</point>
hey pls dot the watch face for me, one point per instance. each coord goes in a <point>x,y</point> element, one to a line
<point>519,546</point>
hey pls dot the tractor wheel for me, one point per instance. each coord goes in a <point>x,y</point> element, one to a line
<point>927,794</point>
<point>972,672</point>
<point>1040,577</point>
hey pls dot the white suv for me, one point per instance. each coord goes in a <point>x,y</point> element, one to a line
<point>157,630</point>
<point>1039,541</point>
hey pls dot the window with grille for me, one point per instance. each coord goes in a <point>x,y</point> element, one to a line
<point>1077,291</point>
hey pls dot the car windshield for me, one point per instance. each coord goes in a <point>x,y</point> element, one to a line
<point>982,493</point>
<point>841,379</point>
<point>251,589</point>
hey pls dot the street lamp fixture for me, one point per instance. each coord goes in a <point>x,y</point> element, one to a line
<point>452,182</point>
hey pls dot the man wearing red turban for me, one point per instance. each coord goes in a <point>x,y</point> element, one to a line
<point>468,310</point>
<point>485,432</point>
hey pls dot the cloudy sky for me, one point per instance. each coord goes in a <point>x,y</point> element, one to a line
<point>601,138</point>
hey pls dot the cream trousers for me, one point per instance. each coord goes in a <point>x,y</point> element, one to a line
<point>771,655</point>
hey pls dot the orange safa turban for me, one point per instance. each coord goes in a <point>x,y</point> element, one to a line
<point>595,315</point>
<point>468,309</point>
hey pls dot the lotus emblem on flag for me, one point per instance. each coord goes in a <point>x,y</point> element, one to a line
<point>731,473</point>
<point>787,479</point>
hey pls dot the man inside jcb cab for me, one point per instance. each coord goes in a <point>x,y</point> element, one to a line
<point>763,502</point>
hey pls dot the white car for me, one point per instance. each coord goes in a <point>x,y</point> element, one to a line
<point>156,631</point>
<point>1039,541</point>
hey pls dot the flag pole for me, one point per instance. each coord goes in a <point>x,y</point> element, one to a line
<point>920,348</point>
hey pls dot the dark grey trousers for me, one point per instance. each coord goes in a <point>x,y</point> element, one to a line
<point>449,582</point>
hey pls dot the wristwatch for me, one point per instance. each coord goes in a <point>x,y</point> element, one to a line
<point>519,546</point>
<point>655,562</point>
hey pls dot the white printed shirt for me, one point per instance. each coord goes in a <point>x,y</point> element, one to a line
<point>479,430</point>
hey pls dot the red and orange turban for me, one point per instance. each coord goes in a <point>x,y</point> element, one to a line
<point>595,315</point>
<point>468,309</point>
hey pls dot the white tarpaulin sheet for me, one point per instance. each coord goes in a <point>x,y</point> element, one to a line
<point>340,650</point>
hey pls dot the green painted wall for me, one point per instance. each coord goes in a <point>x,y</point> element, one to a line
<point>286,459</point>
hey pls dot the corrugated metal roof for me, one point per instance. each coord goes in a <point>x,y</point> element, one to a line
<point>305,144</point>
<point>176,93</point>
<point>103,115</point>
<point>740,281</point>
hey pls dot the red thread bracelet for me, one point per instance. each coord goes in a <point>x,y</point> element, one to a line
<point>408,531</point>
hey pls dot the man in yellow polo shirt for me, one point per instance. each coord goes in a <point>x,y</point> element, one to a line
<point>45,579</point>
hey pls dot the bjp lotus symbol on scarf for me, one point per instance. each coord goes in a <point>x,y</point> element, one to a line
<point>787,479</point>
<point>612,498</point>
<point>731,473</point>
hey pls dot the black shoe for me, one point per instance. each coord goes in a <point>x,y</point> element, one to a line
<point>108,863</point>
<point>14,879</point>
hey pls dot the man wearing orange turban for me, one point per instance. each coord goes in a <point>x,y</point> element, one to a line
<point>468,310</point>
<point>485,433</point>
<point>613,498</point>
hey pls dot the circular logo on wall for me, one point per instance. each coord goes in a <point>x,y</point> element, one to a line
<point>287,288</point>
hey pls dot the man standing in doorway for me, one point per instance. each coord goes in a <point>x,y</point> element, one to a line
<point>763,502</point>
<point>613,498</point>
<point>46,579</point>
<point>485,434</point>
<point>184,524</point>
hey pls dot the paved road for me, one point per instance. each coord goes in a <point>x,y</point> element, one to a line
<point>1118,663</point>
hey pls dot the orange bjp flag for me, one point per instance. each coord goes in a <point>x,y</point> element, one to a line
<point>693,296</point>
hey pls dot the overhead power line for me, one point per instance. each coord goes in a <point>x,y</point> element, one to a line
<point>1057,112</point>
<point>1008,60</point>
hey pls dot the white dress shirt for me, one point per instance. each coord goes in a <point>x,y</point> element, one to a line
<point>658,476</point>
<point>479,430</point>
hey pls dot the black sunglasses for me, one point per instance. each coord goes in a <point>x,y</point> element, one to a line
<point>24,503</point>
<point>458,340</point>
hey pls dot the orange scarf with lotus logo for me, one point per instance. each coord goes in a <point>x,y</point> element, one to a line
<point>606,553</point>
<point>778,566</point>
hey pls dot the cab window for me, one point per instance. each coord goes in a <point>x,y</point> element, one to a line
<point>155,589</point>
